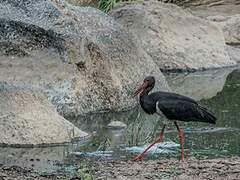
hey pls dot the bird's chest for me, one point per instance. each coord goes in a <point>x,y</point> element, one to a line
<point>159,111</point>
<point>148,107</point>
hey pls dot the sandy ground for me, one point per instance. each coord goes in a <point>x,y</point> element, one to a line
<point>220,169</point>
<point>171,169</point>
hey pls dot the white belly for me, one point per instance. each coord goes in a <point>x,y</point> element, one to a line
<point>160,113</point>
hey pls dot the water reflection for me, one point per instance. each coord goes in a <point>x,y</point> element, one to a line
<point>199,85</point>
<point>43,159</point>
<point>226,104</point>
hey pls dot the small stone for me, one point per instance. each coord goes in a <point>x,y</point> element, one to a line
<point>116,125</point>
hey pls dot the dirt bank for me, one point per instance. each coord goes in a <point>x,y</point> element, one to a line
<point>171,169</point>
<point>221,168</point>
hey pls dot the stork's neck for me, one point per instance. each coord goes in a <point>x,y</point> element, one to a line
<point>146,91</point>
<point>146,102</point>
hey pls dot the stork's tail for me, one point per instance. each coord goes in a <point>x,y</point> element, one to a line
<point>207,116</point>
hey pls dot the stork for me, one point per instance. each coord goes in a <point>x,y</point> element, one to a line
<point>173,107</point>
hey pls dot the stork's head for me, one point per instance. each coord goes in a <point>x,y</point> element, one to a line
<point>148,83</point>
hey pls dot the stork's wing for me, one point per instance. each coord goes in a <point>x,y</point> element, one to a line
<point>175,109</point>
<point>161,95</point>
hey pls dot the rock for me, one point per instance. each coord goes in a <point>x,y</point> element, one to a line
<point>222,10</point>
<point>27,118</point>
<point>217,18</point>
<point>208,3</point>
<point>234,53</point>
<point>79,57</point>
<point>117,125</point>
<point>227,18</point>
<point>231,29</point>
<point>83,2</point>
<point>173,37</point>
<point>230,26</point>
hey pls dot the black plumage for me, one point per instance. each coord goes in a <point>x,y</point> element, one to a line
<point>173,106</point>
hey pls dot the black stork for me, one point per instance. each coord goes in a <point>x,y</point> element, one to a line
<point>173,107</point>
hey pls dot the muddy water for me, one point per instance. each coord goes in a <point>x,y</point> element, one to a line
<point>219,90</point>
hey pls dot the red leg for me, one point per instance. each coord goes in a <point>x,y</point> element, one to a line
<point>181,139</point>
<point>159,139</point>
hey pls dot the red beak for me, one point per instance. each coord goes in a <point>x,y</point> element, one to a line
<point>140,88</point>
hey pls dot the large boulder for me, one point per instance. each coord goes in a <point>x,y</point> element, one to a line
<point>93,3</point>
<point>82,59</point>
<point>234,53</point>
<point>218,12</point>
<point>210,3</point>
<point>173,37</point>
<point>227,18</point>
<point>231,29</point>
<point>27,118</point>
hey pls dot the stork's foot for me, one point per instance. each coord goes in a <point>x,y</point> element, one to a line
<point>138,157</point>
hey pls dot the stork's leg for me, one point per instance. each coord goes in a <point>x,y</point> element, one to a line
<point>159,139</point>
<point>181,138</point>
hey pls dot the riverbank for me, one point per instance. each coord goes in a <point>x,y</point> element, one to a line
<point>220,168</point>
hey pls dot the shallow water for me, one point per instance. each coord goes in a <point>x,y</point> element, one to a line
<point>219,90</point>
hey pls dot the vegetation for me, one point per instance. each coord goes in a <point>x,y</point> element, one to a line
<point>84,173</point>
<point>107,5</point>
<point>173,170</point>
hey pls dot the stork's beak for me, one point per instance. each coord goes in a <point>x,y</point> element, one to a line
<point>140,88</point>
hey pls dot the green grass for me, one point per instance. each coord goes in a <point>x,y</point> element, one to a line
<point>107,5</point>
<point>173,170</point>
<point>84,173</point>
